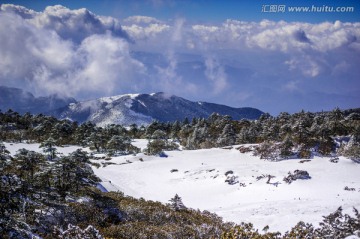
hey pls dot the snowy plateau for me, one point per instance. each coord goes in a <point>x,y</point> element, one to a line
<point>199,177</point>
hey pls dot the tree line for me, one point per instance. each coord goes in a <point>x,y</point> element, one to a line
<point>287,134</point>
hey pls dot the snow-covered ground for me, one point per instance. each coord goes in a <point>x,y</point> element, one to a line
<point>198,176</point>
<point>200,181</point>
<point>14,147</point>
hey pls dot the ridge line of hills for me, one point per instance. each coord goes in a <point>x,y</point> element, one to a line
<point>125,109</point>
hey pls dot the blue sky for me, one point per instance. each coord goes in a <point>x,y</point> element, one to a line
<point>227,52</point>
<point>203,10</point>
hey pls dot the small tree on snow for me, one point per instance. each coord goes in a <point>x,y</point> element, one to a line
<point>176,203</point>
<point>49,147</point>
<point>4,155</point>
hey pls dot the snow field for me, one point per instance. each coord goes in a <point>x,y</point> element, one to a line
<point>200,181</point>
<point>198,177</point>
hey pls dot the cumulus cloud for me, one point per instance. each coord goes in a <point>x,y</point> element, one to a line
<point>75,25</point>
<point>45,61</point>
<point>24,48</point>
<point>103,63</point>
<point>18,10</point>
<point>138,32</point>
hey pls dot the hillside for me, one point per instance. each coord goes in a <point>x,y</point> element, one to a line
<point>22,101</point>
<point>142,109</point>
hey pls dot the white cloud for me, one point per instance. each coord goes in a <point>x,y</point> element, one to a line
<point>74,25</point>
<point>19,10</point>
<point>106,65</point>
<point>308,66</point>
<point>141,20</point>
<point>169,78</point>
<point>44,62</point>
<point>216,74</point>
<point>151,31</point>
<point>24,48</point>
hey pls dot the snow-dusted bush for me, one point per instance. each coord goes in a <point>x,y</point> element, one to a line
<point>75,232</point>
<point>338,225</point>
<point>244,149</point>
<point>267,150</point>
<point>351,150</point>
<point>304,152</point>
<point>159,142</point>
<point>232,179</point>
<point>326,146</point>
<point>298,174</point>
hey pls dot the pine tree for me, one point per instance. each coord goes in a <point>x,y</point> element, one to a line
<point>49,147</point>
<point>286,147</point>
<point>27,163</point>
<point>157,143</point>
<point>98,140</point>
<point>133,130</point>
<point>227,137</point>
<point>176,203</point>
<point>119,144</point>
<point>4,153</point>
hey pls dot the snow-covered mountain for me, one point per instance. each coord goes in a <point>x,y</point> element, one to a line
<point>142,109</point>
<point>22,101</point>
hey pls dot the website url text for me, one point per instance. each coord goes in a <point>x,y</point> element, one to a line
<point>313,8</point>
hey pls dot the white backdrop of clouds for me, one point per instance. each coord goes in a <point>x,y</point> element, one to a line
<point>78,53</point>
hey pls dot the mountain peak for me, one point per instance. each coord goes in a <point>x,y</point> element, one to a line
<point>124,109</point>
<point>142,109</point>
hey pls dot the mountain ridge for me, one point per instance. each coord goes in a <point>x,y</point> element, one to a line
<point>126,109</point>
<point>142,109</point>
<point>22,101</point>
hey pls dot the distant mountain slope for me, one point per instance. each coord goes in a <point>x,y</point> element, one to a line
<point>165,107</point>
<point>103,111</point>
<point>144,108</point>
<point>22,101</point>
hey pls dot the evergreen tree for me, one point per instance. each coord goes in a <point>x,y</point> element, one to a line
<point>49,147</point>
<point>133,131</point>
<point>176,203</point>
<point>4,154</point>
<point>98,140</point>
<point>227,137</point>
<point>27,163</point>
<point>351,150</point>
<point>185,121</point>
<point>157,143</point>
<point>119,144</point>
<point>200,137</point>
<point>175,129</point>
<point>286,147</point>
